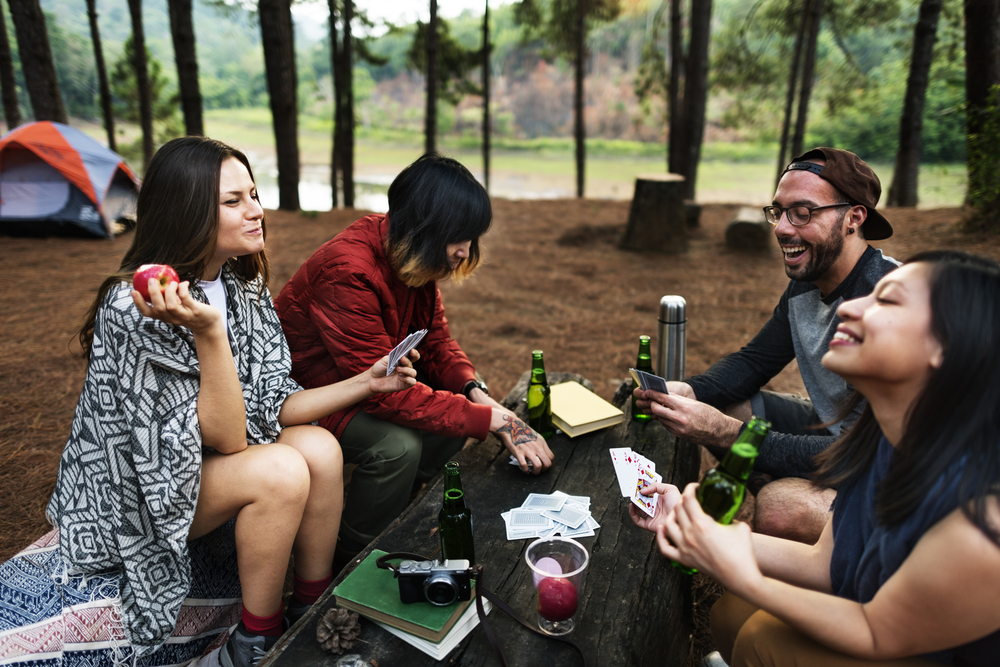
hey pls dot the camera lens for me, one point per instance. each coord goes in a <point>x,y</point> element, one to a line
<point>440,589</point>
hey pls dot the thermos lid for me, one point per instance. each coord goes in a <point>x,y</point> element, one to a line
<point>673,309</point>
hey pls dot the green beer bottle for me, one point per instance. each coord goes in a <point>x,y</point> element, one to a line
<point>455,519</point>
<point>721,491</point>
<point>643,363</point>
<point>539,398</point>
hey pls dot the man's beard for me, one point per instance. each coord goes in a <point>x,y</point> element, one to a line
<point>823,255</point>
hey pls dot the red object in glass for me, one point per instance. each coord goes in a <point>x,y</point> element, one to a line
<point>556,599</point>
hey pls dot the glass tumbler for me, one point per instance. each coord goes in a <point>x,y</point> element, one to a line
<point>557,568</point>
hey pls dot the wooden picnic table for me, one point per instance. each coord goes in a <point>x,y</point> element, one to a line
<point>635,608</point>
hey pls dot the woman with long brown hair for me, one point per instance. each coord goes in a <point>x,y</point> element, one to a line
<point>188,418</point>
<point>907,570</point>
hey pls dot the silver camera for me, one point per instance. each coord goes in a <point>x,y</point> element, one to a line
<point>437,582</point>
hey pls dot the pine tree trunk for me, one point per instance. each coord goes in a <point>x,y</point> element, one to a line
<point>336,54</point>
<point>36,60</point>
<point>982,73</point>
<point>579,128</point>
<point>675,104</point>
<point>102,75</point>
<point>430,116</point>
<point>347,157</point>
<point>486,96</point>
<point>696,91</point>
<point>808,67</point>
<point>11,110</point>
<point>182,31</point>
<point>903,191</point>
<point>793,77</point>
<point>142,80</point>
<point>278,40</point>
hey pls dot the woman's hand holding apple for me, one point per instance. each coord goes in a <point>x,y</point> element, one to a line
<point>175,305</point>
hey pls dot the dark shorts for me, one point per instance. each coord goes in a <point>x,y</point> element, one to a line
<point>787,413</point>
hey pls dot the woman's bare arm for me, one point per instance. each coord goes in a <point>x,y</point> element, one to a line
<point>304,407</point>
<point>944,594</point>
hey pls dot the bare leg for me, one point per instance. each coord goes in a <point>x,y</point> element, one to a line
<point>794,509</point>
<point>265,487</point>
<point>317,536</point>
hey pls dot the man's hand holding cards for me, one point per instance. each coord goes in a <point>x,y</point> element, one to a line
<point>635,472</point>
<point>644,380</point>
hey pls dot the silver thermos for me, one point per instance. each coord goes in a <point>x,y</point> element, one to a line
<point>673,338</point>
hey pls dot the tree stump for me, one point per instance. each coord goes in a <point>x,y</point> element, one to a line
<point>692,214</point>
<point>748,230</point>
<point>656,220</point>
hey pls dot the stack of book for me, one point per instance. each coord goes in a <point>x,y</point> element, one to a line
<point>374,593</point>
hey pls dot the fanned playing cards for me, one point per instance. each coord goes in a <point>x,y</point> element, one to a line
<point>635,472</point>
<point>403,349</point>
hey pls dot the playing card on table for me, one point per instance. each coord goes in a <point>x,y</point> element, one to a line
<point>646,503</point>
<point>524,518</point>
<point>403,349</point>
<point>539,501</point>
<point>568,515</point>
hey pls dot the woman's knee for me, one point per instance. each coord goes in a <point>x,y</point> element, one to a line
<point>319,448</point>
<point>280,472</point>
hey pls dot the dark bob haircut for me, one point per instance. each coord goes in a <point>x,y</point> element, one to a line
<point>956,417</point>
<point>434,202</point>
<point>177,219</point>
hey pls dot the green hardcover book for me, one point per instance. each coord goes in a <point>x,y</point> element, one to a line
<point>374,593</point>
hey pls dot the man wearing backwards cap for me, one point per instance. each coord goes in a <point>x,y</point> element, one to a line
<point>823,215</point>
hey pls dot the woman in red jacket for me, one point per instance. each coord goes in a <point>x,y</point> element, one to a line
<point>362,293</point>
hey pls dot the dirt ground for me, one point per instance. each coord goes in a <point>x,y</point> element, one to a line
<point>553,279</point>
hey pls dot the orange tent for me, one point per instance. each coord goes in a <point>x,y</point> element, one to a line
<point>55,179</point>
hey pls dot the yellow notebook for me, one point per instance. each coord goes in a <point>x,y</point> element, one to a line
<point>577,410</point>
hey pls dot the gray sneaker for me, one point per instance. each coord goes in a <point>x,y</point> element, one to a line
<point>244,649</point>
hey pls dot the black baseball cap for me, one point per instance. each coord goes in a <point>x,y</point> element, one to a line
<point>854,178</point>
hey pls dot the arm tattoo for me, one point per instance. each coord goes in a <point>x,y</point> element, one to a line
<point>518,431</point>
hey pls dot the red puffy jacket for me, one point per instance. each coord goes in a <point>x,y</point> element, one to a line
<point>344,309</point>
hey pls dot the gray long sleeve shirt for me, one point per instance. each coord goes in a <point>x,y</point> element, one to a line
<point>800,328</point>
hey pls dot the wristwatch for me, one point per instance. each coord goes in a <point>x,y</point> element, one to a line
<point>469,386</point>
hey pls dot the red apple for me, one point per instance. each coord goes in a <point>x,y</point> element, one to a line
<point>161,273</point>
<point>556,599</point>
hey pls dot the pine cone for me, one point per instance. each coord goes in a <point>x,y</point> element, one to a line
<point>337,630</point>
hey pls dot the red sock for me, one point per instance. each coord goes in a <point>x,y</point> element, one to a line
<point>269,626</point>
<point>307,592</point>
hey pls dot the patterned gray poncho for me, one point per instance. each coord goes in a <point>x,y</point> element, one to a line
<point>130,473</point>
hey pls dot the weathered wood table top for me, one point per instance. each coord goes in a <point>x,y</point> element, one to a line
<point>635,607</point>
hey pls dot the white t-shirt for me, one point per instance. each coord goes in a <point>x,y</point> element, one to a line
<point>216,293</point>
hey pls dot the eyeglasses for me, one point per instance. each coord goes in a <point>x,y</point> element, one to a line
<point>797,215</point>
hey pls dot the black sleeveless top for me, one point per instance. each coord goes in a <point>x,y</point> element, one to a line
<point>866,553</point>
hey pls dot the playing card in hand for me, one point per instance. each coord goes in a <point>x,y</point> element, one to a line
<point>645,380</point>
<point>403,349</point>
<point>646,503</point>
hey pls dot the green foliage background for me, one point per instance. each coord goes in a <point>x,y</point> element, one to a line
<point>862,65</point>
